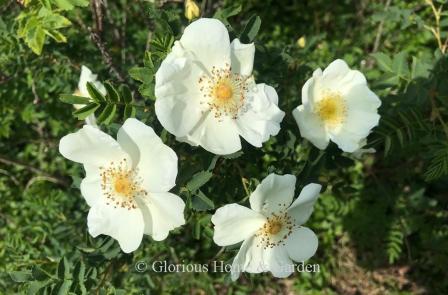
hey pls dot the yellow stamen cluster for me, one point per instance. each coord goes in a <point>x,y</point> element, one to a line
<point>331,109</point>
<point>224,92</point>
<point>121,184</point>
<point>277,228</point>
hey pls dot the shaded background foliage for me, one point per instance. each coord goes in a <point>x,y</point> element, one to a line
<point>381,222</point>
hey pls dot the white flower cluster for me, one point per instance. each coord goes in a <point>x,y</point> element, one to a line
<point>207,96</point>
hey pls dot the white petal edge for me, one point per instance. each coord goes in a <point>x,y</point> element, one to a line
<point>91,190</point>
<point>235,223</point>
<point>346,140</point>
<point>311,127</point>
<point>309,89</point>
<point>178,95</point>
<point>90,145</point>
<point>162,213</point>
<point>263,118</point>
<point>218,136</point>
<point>302,244</point>
<point>242,57</point>
<point>208,40</point>
<point>273,194</point>
<point>255,259</point>
<point>125,226</point>
<point>302,208</point>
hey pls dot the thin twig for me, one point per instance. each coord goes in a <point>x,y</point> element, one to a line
<point>217,255</point>
<point>13,179</point>
<point>105,54</point>
<point>52,178</point>
<point>380,29</point>
<point>243,179</point>
<point>436,30</point>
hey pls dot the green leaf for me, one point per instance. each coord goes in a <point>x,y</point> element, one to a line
<point>38,273</point>
<point>147,90</point>
<point>107,114</point>
<point>383,61</point>
<point>56,35</point>
<point>420,68</point>
<point>35,39</point>
<point>147,60</point>
<point>129,111</point>
<point>251,29</point>
<point>197,230</point>
<point>126,94</point>
<point>20,276</point>
<point>94,93</point>
<point>112,93</point>
<point>65,287</point>
<point>80,270</point>
<point>201,202</point>
<point>198,180</point>
<point>112,253</point>
<point>70,4</point>
<point>35,286</point>
<point>399,65</point>
<point>84,112</point>
<point>74,99</point>
<point>64,269</point>
<point>53,21</point>
<point>225,13</point>
<point>142,74</point>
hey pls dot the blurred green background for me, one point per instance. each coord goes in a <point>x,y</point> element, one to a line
<point>382,221</point>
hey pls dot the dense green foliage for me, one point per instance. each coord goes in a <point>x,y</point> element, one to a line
<point>382,221</point>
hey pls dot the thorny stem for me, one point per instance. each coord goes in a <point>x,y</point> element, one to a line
<point>105,54</point>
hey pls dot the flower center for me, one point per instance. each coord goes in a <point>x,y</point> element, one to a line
<point>332,109</point>
<point>274,227</point>
<point>224,92</point>
<point>121,184</point>
<point>275,230</point>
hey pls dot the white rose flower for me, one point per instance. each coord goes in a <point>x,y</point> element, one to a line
<point>272,232</point>
<point>206,94</point>
<point>88,76</point>
<point>127,182</point>
<point>337,105</point>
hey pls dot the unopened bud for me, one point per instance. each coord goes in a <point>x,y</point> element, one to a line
<point>301,42</point>
<point>192,10</point>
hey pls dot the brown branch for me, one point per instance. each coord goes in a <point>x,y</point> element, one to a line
<point>52,178</point>
<point>105,53</point>
<point>97,15</point>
